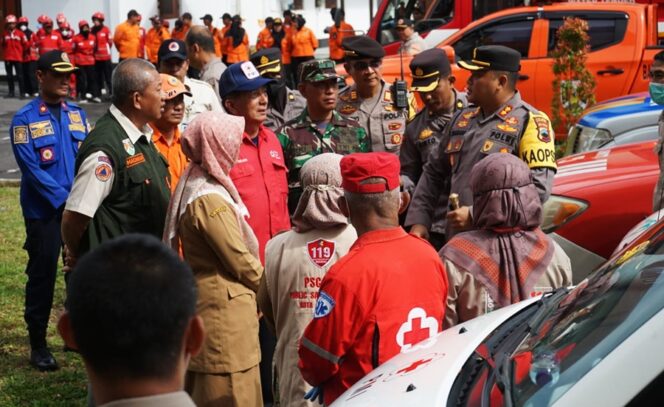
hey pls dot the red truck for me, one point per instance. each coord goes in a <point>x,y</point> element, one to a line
<point>438,19</point>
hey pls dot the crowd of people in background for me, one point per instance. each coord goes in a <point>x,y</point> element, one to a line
<point>276,191</point>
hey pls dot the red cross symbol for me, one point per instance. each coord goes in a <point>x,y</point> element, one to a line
<point>416,334</point>
<point>414,365</point>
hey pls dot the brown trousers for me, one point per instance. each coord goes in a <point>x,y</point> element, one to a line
<point>225,389</point>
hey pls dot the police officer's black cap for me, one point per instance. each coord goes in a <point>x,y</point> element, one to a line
<point>56,61</point>
<point>267,60</point>
<point>361,46</point>
<point>427,68</point>
<point>494,58</point>
<point>172,49</point>
<point>207,17</point>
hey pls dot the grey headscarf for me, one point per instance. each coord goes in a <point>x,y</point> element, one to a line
<point>318,207</point>
<point>508,252</point>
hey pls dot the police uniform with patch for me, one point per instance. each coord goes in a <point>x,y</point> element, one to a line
<point>45,139</point>
<point>426,129</point>
<point>515,128</point>
<point>301,138</point>
<point>285,104</point>
<point>384,122</point>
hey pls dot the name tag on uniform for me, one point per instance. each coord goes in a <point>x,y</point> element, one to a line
<point>77,127</point>
<point>135,160</point>
<point>41,129</point>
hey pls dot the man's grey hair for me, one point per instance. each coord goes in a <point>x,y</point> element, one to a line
<point>384,204</point>
<point>131,75</point>
<point>200,35</point>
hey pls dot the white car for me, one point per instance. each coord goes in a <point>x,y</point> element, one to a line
<point>598,344</point>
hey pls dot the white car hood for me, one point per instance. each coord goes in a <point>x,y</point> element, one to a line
<point>429,369</point>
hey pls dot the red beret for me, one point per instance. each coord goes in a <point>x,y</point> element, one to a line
<point>356,168</point>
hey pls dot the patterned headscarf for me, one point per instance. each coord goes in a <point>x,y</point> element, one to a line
<point>212,142</point>
<point>508,252</point>
<point>318,207</point>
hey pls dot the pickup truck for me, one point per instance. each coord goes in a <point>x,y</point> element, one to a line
<point>623,42</point>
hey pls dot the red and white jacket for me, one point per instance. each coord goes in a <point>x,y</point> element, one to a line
<point>48,42</point>
<point>84,50</point>
<point>13,44</point>
<point>104,44</point>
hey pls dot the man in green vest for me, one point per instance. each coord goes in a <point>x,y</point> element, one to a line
<point>122,182</point>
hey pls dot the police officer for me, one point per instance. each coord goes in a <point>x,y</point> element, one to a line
<point>285,104</point>
<point>46,134</point>
<point>501,123</point>
<point>370,101</point>
<point>319,128</point>
<point>433,80</point>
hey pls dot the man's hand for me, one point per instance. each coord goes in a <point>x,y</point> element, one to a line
<point>69,260</point>
<point>420,231</point>
<point>459,219</point>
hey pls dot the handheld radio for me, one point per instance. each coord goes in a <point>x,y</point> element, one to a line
<point>399,88</point>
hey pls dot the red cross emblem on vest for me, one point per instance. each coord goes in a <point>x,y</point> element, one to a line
<point>417,328</point>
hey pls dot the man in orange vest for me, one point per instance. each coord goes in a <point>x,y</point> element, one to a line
<point>227,20</point>
<point>340,30</point>
<point>207,21</point>
<point>127,39</point>
<point>265,39</point>
<point>155,36</point>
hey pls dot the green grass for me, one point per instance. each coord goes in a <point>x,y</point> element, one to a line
<point>20,384</point>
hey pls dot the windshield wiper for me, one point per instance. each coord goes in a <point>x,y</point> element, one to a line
<point>547,306</point>
<point>501,375</point>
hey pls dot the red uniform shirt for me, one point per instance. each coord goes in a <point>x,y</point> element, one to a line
<point>385,296</point>
<point>31,52</point>
<point>84,50</point>
<point>260,177</point>
<point>68,47</point>
<point>48,42</point>
<point>13,44</point>
<point>104,44</point>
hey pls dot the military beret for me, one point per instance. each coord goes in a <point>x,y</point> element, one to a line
<point>359,167</point>
<point>361,46</point>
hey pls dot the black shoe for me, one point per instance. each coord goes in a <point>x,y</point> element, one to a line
<point>9,95</point>
<point>43,360</point>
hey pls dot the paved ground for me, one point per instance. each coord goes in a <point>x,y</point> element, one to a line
<point>8,107</point>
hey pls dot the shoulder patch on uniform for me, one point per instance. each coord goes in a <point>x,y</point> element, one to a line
<point>103,172</point>
<point>129,146</point>
<point>46,154</point>
<point>20,134</point>
<point>41,129</point>
<point>543,125</point>
<point>324,305</point>
<point>505,111</point>
<point>75,117</point>
<point>321,251</point>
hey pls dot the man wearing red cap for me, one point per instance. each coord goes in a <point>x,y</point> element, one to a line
<point>30,57</point>
<point>386,296</point>
<point>84,51</point>
<point>47,39</point>
<point>103,65</point>
<point>13,44</point>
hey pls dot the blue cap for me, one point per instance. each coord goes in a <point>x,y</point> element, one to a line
<point>241,77</point>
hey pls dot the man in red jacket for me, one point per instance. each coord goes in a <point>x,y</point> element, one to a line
<point>47,39</point>
<point>14,43</point>
<point>84,49</point>
<point>104,42</point>
<point>30,57</point>
<point>386,296</point>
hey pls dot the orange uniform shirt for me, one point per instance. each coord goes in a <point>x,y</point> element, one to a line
<point>177,161</point>
<point>286,45</point>
<point>222,41</point>
<point>217,41</point>
<point>265,39</point>
<point>127,40</point>
<point>337,34</point>
<point>304,42</point>
<point>239,53</point>
<point>180,34</point>
<point>153,40</point>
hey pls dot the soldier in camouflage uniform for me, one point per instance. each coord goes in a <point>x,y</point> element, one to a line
<point>370,101</point>
<point>284,104</point>
<point>319,128</point>
<point>432,78</point>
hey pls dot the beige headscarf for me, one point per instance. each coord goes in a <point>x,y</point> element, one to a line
<point>318,207</point>
<point>212,142</point>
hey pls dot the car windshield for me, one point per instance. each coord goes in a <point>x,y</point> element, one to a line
<point>589,323</point>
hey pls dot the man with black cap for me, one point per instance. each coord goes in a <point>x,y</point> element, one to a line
<point>433,80</point>
<point>285,104</point>
<point>45,135</point>
<point>202,57</point>
<point>319,128</point>
<point>172,60</point>
<point>370,101</point>
<point>501,123</point>
<point>411,42</point>
<point>265,39</point>
<point>385,296</point>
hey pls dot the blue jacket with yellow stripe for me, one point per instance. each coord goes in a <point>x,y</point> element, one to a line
<point>45,149</point>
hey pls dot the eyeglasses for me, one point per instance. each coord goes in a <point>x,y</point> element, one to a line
<point>364,65</point>
<point>657,75</point>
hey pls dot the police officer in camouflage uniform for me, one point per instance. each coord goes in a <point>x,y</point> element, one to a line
<point>432,78</point>
<point>501,123</point>
<point>285,104</point>
<point>370,101</point>
<point>319,128</point>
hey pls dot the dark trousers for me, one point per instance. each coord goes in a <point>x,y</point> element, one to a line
<point>104,69</point>
<point>43,243</point>
<point>268,343</point>
<point>10,67</point>
<point>86,81</point>
<point>295,68</point>
<point>30,77</point>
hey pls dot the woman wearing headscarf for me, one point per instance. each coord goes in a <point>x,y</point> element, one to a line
<point>506,258</point>
<point>295,263</point>
<point>303,43</point>
<point>236,42</point>
<point>206,220</point>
